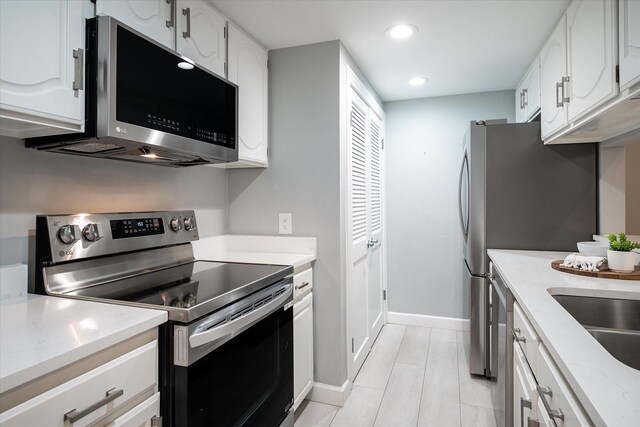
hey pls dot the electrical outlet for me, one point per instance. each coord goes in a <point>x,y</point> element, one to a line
<point>285,224</point>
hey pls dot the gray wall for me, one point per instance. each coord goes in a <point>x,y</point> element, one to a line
<point>33,182</point>
<point>303,178</point>
<point>306,156</point>
<point>424,244</point>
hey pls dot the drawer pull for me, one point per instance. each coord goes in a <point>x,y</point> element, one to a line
<point>516,331</point>
<point>524,403</point>
<point>303,285</point>
<point>553,413</point>
<point>532,423</point>
<point>74,416</point>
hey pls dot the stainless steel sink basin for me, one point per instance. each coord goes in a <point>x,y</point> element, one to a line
<point>614,323</point>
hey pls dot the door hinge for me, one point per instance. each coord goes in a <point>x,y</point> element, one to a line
<point>353,345</point>
<point>384,294</point>
<point>382,144</point>
<point>267,64</point>
<point>617,74</point>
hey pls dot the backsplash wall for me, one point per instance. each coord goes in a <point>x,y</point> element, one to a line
<point>33,182</point>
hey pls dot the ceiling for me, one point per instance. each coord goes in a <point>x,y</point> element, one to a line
<point>462,46</point>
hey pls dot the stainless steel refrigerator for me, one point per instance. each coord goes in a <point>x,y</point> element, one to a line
<point>517,193</point>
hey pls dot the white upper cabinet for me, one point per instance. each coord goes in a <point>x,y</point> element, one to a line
<point>528,93</point>
<point>201,34</point>
<point>578,64</point>
<point>553,65</point>
<point>153,18</point>
<point>42,67</point>
<point>629,39</point>
<point>248,69</point>
<point>191,27</point>
<point>591,55</point>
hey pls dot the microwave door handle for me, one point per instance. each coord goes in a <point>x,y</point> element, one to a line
<point>214,334</point>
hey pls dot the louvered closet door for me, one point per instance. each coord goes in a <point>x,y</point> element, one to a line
<point>375,304</point>
<point>358,230</point>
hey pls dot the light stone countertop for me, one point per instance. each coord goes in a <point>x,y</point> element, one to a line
<point>277,250</point>
<point>607,389</point>
<point>39,334</point>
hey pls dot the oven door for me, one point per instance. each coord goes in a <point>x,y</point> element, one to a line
<point>240,372</point>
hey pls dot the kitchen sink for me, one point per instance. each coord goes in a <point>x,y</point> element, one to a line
<point>614,323</point>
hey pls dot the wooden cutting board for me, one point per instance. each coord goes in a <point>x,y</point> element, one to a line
<point>605,274</point>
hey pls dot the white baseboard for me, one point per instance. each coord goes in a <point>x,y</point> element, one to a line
<point>330,394</point>
<point>438,322</point>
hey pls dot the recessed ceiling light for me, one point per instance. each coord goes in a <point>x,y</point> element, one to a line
<point>417,81</point>
<point>401,31</point>
<point>185,65</point>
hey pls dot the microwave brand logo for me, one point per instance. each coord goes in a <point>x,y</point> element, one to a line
<point>121,130</point>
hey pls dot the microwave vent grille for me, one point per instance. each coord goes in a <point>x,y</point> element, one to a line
<point>93,148</point>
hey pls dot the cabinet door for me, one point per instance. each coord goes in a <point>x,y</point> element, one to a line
<point>532,94</point>
<point>201,34</point>
<point>591,55</point>
<point>302,349</point>
<point>557,393</point>
<point>142,415</point>
<point>520,109</point>
<point>629,39</point>
<point>38,68</point>
<point>248,69</point>
<point>553,67</point>
<point>153,18</point>
<point>524,386</point>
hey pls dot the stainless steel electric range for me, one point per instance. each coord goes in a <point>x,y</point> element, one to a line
<point>226,354</point>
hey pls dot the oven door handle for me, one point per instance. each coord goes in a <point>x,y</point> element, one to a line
<point>241,323</point>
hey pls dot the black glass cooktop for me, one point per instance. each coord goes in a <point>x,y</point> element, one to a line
<point>192,289</point>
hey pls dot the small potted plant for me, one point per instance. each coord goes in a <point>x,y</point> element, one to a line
<point>619,255</point>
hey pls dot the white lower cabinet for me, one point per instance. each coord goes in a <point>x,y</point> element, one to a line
<point>302,346</point>
<point>146,414</point>
<point>541,396</point>
<point>90,398</point>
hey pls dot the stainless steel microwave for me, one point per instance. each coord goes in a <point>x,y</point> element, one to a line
<point>146,103</point>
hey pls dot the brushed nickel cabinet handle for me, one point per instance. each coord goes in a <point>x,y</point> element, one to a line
<point>559,86</point>
<point>187,12</point>
<point>172,14</point>
<point>524,403</point>
<point>525,98</point>
<point>78,62</point>
<point>553,413</point>
<point>303,285</point>
<point>111,395</point>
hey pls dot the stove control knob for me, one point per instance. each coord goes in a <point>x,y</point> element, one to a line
<point>175,224</point>
<point>92,232</point>
<point>69,234</point>
<point>189,223</point>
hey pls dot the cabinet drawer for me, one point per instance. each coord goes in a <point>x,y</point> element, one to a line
<point>302,283</point>
<point>525,335</point>
<point>553,390</point>
<point>132,373</point>
<point>142,415</point>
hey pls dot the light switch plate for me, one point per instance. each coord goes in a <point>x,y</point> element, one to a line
<point>285,224</point>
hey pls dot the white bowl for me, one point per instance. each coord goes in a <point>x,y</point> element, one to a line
<point>593,248</point>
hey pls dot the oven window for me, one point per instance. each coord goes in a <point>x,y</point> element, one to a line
<point>246,382</point>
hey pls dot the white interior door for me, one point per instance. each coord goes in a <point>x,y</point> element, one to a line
<point>375,243</point>
<point>358,231</point>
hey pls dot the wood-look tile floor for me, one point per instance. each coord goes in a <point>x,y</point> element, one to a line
<point>413,377</point>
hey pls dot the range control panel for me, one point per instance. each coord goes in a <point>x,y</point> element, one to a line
<point>73,237</point>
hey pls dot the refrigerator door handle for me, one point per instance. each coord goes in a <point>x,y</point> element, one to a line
<point>464,225</point>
